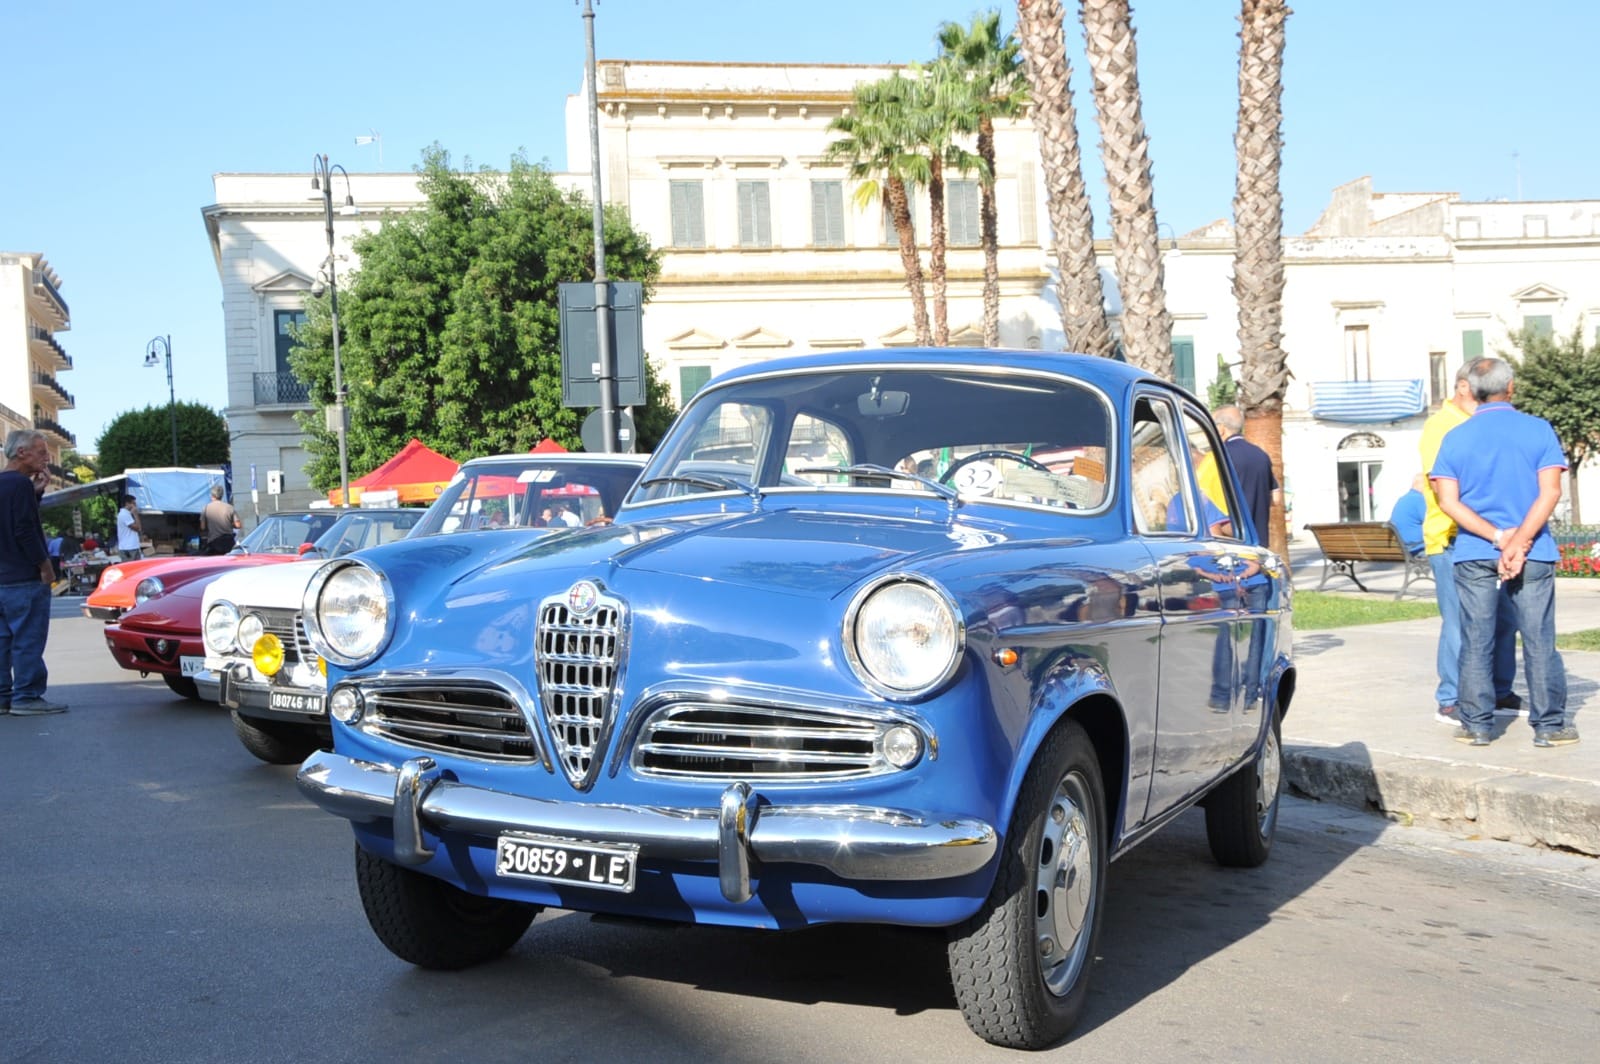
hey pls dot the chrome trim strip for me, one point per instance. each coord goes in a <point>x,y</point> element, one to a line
<point>852,842</point>
<point>736,815</point>
<point>411,785</point>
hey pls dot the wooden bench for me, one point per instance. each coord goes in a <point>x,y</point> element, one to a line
<point>1346,543</point>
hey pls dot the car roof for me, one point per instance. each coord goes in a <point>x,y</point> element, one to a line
<point>1105,372</point>
<point>558,458</point>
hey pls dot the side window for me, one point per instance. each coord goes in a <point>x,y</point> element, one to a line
<point>1159,502</point>
<point>1215,500</point>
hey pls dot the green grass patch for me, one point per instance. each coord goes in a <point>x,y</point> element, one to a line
<point>1315,610</point>
<point>1585,640</point>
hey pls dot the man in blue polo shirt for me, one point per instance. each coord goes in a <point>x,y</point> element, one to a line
<point>1498,476</point>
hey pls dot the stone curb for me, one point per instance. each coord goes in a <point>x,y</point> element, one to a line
<point>1516,807</point>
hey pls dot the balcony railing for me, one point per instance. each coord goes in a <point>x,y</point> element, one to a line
<point>277,388</point>
<point>42,281</point>
<point>45,424</point>
<point>50,384</point>
<point>44,337</point>
<point>1367,401</point>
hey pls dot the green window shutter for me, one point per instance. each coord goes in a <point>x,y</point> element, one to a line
<point>1539,324</point>
<point>688,214</point>
<point>1183,362</point>
<point>1471,344</point>
<point>286,321</point>
<point>755,214</point>
<point>827,214</point>
<point>690,380</point>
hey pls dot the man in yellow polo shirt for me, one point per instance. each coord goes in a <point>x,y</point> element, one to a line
<point>1438,537</point>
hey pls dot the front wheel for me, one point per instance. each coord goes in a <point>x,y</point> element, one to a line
<point>275,742</point>
<point>1020,965</point>
<point>1242,813</point>
<point>432,924</point>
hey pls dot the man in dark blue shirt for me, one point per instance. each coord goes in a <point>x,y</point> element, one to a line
<point>25,578</point>
<point>1251,465</point>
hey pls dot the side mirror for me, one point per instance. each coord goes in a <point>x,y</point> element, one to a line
<point>306,548</point>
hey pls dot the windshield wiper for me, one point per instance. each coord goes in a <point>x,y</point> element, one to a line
<point>709,481</point>
<point>944,491</point>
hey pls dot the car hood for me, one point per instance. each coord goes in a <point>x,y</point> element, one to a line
<point>174,571</point>
<point>176,611</point>
<point>266,586</point>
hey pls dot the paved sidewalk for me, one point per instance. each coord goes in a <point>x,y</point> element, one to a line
<point>1361,729</point>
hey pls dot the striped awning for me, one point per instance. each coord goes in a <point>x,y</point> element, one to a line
<point>1367,400</point>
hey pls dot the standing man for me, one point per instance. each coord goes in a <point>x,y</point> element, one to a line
<point>1254,469</point>
<point>1499,478</point>
<point>25,579</point>
<point>1438,539</point>
<point>53,548</point>
<point>218,524</point>
<point>128,530</point>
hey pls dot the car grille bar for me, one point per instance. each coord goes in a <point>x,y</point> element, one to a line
<point>474,720</point>
<point>578,657</point>
<point>291,632</point>
<point>720,741</point>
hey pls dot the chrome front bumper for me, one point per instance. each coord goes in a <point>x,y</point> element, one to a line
<point>852,842</point>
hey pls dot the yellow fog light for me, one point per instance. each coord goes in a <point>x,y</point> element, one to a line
<point>268,654</point>
<point>322,666</point>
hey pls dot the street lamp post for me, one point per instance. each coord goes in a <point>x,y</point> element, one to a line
<point>164,345</point>
<point>322,181</point>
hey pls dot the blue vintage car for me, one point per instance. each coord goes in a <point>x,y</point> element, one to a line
<point>920,637</point>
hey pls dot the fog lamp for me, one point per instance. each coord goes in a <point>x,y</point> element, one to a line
<point>163,647</point>
<point>267,654</point>
<point>346,705</point>
<point>902,746</point>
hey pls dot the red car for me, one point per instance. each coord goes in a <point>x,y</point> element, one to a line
<point>280,537</point>
<point>161,633</point>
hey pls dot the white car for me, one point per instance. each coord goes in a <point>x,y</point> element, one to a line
<point>255,642</point>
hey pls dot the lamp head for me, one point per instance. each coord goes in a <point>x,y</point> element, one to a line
<point>150,359</point>
<point>318,287</point>
<point>316,183</point>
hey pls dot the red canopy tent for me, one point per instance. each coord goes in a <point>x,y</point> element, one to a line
<point>417,473</point>
<point>547,446</point>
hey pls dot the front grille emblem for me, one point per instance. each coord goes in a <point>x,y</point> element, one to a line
<point>583,597</point>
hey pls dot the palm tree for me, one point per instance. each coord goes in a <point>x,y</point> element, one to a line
<point>989,69</point>
<point>874,144</point>
<point>1125,149</point>
<point>1042,36</point>
<point>1258,235</point>
<point>936,117</point>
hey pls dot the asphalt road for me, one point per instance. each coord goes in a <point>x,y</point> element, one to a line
<point>165,897</point>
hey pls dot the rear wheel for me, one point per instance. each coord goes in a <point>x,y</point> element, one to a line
<point>1020,965</point>
<point>274,742</point>
<point>182,686</point>
<point>1242,813</point>
<point>432,924</point>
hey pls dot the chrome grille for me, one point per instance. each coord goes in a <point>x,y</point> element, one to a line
<point>718,741</point>
<point>291,632</point>
<point>578,657</point>
<point>475,720</point>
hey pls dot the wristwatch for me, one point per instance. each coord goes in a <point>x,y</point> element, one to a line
<point>1497,534</point>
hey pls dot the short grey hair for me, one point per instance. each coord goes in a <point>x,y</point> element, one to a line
<point>19,440</point>
<point>216,491</point>
<point>1489,377</point>
<point>1463,371</point>
<point>1230,418</point>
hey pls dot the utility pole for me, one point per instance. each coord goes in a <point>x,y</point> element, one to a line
<point>602,287</point>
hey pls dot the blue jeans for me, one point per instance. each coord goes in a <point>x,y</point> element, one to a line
<point>1532,599</point>
<point>24,627</point>
<point>1448,662</point>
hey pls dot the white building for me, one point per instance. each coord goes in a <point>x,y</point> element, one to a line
<point>765,253</point>
<point>31,313</point>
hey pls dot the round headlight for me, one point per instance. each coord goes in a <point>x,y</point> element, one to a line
<point>347,612</point>
<point>902,746</point>
<point>110,576</point>
<point>250,630</point>
<point>903,637</point>
<point>148,588</point>
<point>345,704</point>
<point>222,627</point>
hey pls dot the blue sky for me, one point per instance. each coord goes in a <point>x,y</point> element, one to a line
<point>122,112</point>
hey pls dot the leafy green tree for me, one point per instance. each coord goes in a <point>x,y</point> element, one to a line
<point>140,439</point>
<point>1222,391</point>
<point>450,328</point>
<point>1559,380</point>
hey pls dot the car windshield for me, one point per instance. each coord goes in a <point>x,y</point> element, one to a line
<point>284,533</point>
<point>357,530</point>
<point>528,493</point>
<point>1015,437</point>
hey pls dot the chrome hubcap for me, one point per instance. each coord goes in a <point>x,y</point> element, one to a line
<point>1268,772</point>
<point>1064,885</point>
